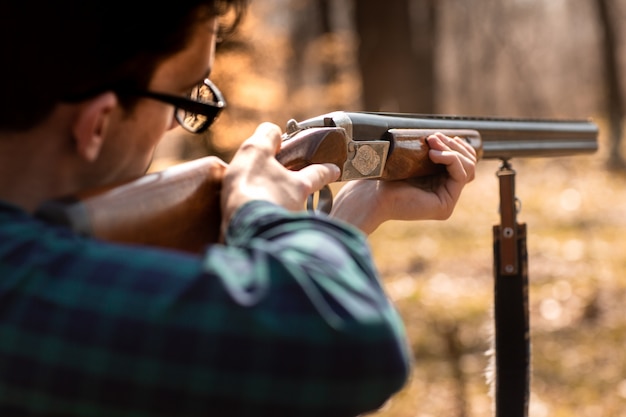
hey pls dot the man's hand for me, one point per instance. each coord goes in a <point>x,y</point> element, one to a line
<point>255,174</point>
<point>367,203</point>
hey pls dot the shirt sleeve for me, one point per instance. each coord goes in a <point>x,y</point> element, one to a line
<point>287,319</point>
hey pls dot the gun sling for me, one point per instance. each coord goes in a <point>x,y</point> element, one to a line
<point>512,336</point>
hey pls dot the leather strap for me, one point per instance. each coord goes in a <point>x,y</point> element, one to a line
<point>512,337</point>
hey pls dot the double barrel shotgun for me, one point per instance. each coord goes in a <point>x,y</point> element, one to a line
<point>179,206</point>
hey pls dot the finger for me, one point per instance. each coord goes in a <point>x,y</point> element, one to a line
<point>459,167</point>
<point>266,137</point>
<point>468,157</point>
<point>443,142</point>
<point>463,145</point>
<point>443,150</point>
<point>317,176</point>
<point>449,151</point>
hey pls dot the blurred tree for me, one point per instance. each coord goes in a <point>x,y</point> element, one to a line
<point>612,84</point>
<point>396,54</point>
<point>321,74</point>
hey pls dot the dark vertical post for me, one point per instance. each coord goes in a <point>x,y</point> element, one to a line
<point>612,81</point>
<point>512,337</point>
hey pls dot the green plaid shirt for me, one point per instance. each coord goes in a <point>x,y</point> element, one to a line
<point>288,319</point>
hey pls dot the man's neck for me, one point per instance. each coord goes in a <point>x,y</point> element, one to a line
<point>33,169</point>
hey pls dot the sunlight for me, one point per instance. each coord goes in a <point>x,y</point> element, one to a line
<point>570,199</point>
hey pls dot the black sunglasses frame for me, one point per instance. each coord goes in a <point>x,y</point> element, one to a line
<point>210,110</point>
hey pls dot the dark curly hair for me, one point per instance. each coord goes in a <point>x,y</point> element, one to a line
<point>53,51</point>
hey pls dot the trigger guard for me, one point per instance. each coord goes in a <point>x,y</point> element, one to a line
<point>324,201</point>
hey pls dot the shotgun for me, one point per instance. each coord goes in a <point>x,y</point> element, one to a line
<point>179,207</point>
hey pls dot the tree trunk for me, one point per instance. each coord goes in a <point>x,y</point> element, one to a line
<point>613,88</point>
<point>396,54</point>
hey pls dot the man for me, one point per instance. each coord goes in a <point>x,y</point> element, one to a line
<point>287,318</point>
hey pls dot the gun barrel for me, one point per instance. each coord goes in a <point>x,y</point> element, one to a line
<point>502,138</point>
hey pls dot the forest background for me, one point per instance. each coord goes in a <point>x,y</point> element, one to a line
<point>509,58</point>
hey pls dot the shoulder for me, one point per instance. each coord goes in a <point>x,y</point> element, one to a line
<point>29,244</point>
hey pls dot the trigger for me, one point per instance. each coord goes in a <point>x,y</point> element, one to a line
<point>324,201</point>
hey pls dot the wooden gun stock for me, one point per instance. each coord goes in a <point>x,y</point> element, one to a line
<point>179,207</point>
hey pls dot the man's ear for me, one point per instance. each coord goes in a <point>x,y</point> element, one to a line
<point>91,124</point>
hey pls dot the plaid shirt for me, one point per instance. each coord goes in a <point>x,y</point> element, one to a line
<point>288,319</point>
